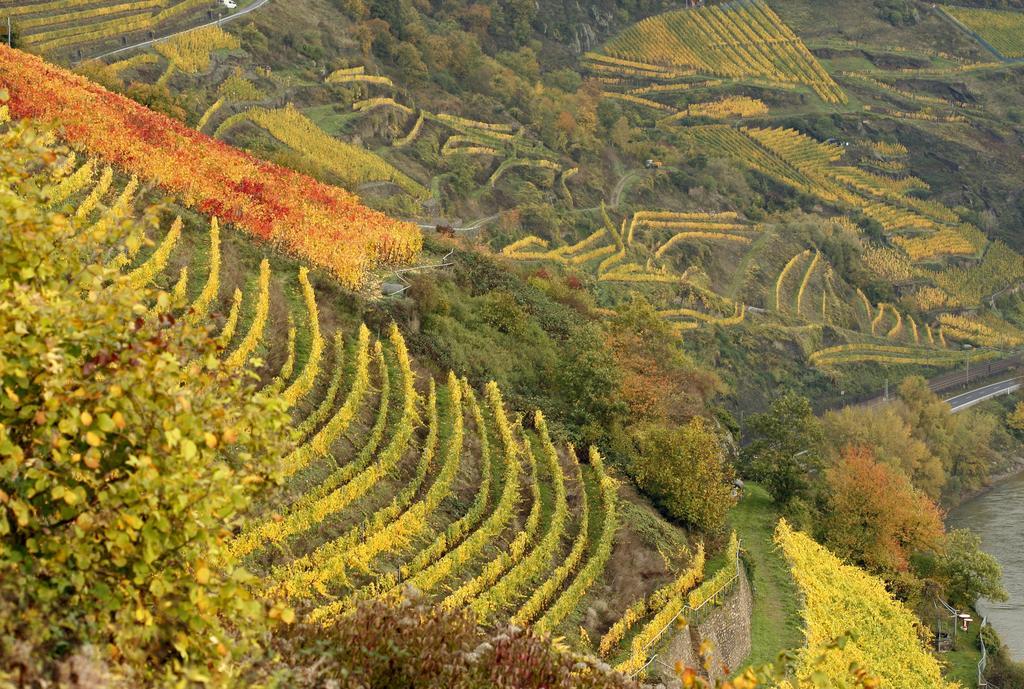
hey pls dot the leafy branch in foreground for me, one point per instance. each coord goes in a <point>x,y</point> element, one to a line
<point>126,450</point>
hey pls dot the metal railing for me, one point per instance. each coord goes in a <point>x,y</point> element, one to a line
<point>691,614</point>
<point>983,663</point>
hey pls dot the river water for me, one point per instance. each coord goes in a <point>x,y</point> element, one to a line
<point>998,517</point>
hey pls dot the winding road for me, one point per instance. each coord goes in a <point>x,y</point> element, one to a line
<point>223,20</point>
<point>616,198</point>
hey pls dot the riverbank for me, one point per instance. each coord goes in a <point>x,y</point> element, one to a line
<point>994,482</point>
<point>996,515</point>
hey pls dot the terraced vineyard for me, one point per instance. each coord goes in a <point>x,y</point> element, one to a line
<point>742,39</point>
<point>73,26</point>
<point>396,479</point>
<point>351,164</point>
<point>838,598</point>
<point>324,224</point>
<point>647,252</point>
<point>1003,30</point>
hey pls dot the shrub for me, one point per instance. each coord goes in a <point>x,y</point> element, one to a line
<point>414,646</point>
<point>686,472</point>
<point>120,465</point>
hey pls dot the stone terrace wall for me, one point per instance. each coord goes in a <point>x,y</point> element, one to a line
<point>727,629</point>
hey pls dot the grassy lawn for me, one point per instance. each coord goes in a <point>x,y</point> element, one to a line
<point>961,664</point>
<point>775,625</point>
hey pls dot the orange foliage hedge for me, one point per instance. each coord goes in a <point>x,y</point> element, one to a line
<point>324,224</point>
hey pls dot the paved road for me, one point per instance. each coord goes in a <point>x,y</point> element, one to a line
<point>231,17</point>
<point>970,398</point>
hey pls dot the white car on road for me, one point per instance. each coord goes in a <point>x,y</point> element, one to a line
<point>230,4</point>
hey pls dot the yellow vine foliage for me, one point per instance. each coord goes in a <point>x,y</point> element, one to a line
<point>663,598</point>
<point>307,377</point>
<point>539,561</point>
<point>190,51</point>
<point>259,321</point>
<point>323,410</point>
<point>157,261</point>
<point>545,593</point>
<point>231,323</point>
<point>330,562</point>
<point>594,567</point>
<point>736,41</point>
<point>288,367</point>
<point>319,444</point>
<point>497,520</point>
<point>208,113</point>
<point>784,273</point>
<point>352,164</point>
<point>806,280</point>
<point>201,306</point>
<point>456,530</point>
<point>1004,30</point>
<point>669,603</point>
<point>840,598</point>
<point>98,191</point>
<point>73,183</point>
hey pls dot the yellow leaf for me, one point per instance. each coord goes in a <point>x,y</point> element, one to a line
<point>85,418</point>
<point>84,521</point>
<point>188,449</point>
<point>118,419</point>
<point>202,573</point>
<point>287,615</point>
<point>92,439</point>
<point>211,440</point>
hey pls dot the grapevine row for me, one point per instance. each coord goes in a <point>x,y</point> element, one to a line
<point>595,565</point>
<point>540,559</point>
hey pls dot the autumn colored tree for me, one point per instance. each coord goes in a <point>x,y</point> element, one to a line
<point>121,466</point>
<point>686,472</point>
<point>926,414</point>
<point>659,381</point>
<point>874,517</point>
<point>962,442</point>
<point>1015,419</point>
<point>890,438</point>
<point>785,453</point>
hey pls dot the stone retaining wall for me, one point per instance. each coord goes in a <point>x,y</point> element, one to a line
<point>726,628</point>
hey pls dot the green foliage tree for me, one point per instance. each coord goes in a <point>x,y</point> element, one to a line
<point>121,465</point>
<point>898,12</point>
<point>962,442</point>
<point>785,454</point>
<point>1015,419</point>
<point>968,572</point>
<point>685,470</point>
